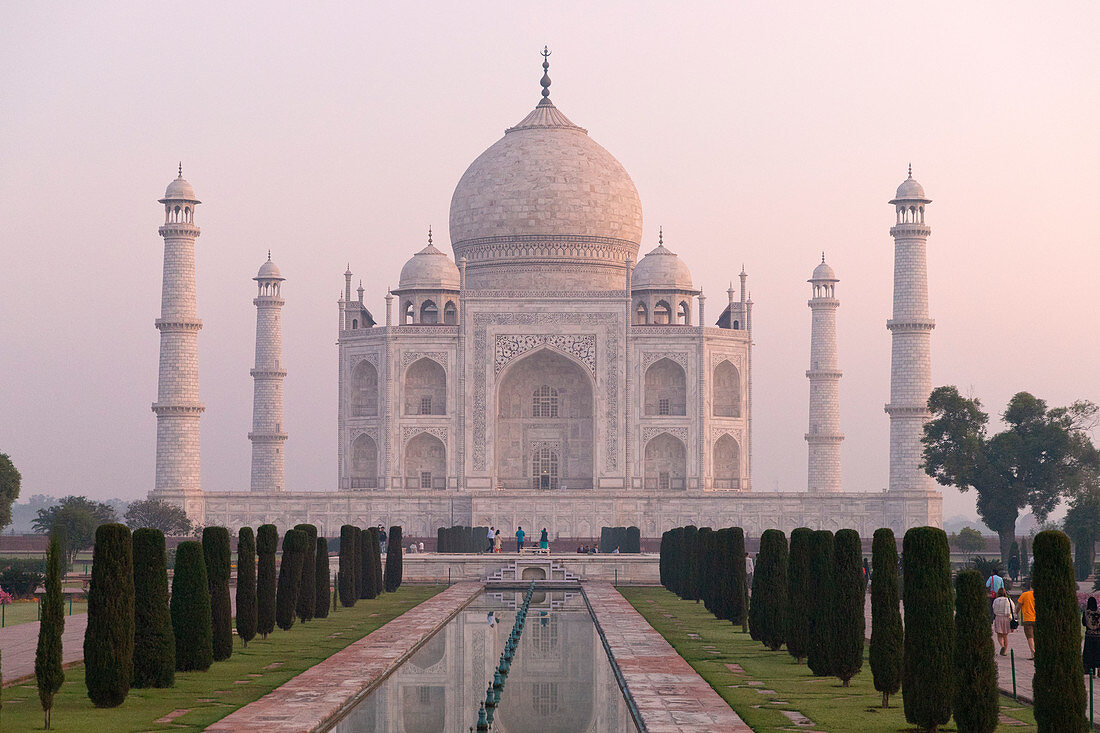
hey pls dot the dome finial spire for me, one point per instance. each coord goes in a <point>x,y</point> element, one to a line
<point>660,236</point>
<point>429,234</point>
<point>269,255</point>
<point>823,257</point>
<point>181,169</point>
<point>545,72</point>
<point>910,170</point>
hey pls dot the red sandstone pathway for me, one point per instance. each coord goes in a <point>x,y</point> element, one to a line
<point>670,695</point>
<point>319,693</point>
<point>20,642</point>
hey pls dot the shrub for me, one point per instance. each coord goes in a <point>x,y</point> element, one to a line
<point>393,561</point>
<point>886,632</point>
<point>109,637</point>
<point>307,589</point>
<point>986,566</point>
<point>246,585</point>
<point>47,659</point>
<point>290,578</point>
<point>1082,560</point>
<point>21,576</point>
<point>768,609</point>
<point>321,579</point>
<point>976,705</point>
<point>215,548</point>
<point>191,618</point>
<point>267,543</point>
<point>927,670</point>
<point>801,603</point>
<point>633,541</point>
<point>823,597</point>
<point>154,642</point>
<point>847,653</point>
<point>441,537</point>
<point>346,578</point>
<point>1058,685</point>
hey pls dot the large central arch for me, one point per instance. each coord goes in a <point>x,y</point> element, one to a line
<point>545,408</point>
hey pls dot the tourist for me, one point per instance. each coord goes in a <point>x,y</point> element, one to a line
<point>544,540</point>
<point>1004,611</point>
<point>1027,617</point>
<point>491,537</point>
<point>382,538</point>
<point>579,549</point>
<point>520,534</point>
<point>994,585</point>
<point>1090,619</point>
<point>498,541</point>
<point>750,568</point>
<point>492,619</point>
<point>420,546</point>
<point>595,550</point>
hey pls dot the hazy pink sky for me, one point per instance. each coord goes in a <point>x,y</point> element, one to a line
<point>763,133</point>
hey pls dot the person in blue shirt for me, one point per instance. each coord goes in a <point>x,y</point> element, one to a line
<point>994,585</point>
<point>520,534</point>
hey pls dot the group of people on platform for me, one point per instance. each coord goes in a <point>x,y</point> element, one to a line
<point>496,540</point>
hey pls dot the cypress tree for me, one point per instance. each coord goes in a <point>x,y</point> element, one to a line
<point>346,577</point>
<point>823,597</point>
<point>356,568</point>
<point>847,654</point>
<point>47,659</point>
<point>687,567</point>
<point>365,573</point>
<point>738,592</point>
<point>768,610</point>
<point>441,540</point>
<point>721,569</point>
<point>1014,560</point>
<point>704,552</point>
<point>373,561</point>
<point>109,637</point>
<point>1058,685</point>
<point>1082,559</point>
<point>321,579</point>
<point>633,539</point>
<point>247,617</point>
<point>290,578</point>
<point>886,632</point>
<point>662,562</point>
<point>307,590</point>
<point>802,603</point>
<point>376,548</point>
<point>191,618</point>
<point>1025,559</point>
<point>976,705</point>
<point>267,543</point>
<point>927,671</point>
<point>393,561</point>
<point>215,548</point>
<point>154,642</point>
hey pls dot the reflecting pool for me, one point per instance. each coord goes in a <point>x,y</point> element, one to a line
<point>560,680</point>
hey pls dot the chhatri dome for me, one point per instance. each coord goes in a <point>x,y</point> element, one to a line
<point>546,207</point>
<point>179,190</point>
<point>824,272</point>
<point>269,270</point>
<point>661,269</point>
<point>429,269</point>
<point>910,190</point>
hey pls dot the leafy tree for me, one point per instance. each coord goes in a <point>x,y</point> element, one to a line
<point>986,566</point>
<point>927,670</point>
<point>78,517</point>
<point>847,653</point>
<point>321,579</point>
<point>1081,524</point>
<point>976,703</point>
<point>216,550</point>
<point>247,618</point>
<point>10,480</point>
<point>1057,686</point>
<point>967,540</point>
<point>47,659</point>
<point>886,633</point>
<point>267,543</point>
<point>307,591</point>
<point>802,603</point>
<point>1014,561</point>
<point>823,597</point>
<point>346,578</point>
<point>393,560</point>
<point>154,642</point>
<point>768,609</point>
<point>158,514</point>
<point>190,604</point>
<point>290,578</point>
<point>1043,455</point>
<point>109,636</point>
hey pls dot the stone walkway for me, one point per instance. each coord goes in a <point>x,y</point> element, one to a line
<point>20,642</point>
<point>327,688</point>
<point>670,695</point>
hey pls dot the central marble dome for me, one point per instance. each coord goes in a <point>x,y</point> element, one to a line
<point>546,207</point>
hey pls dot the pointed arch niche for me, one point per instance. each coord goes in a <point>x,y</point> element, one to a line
<point>425,462</point>
<point>665,388</point>
<point>665,463</point>
<point>363,468</point>
<point>727,463</point>
<point>727,390</point>
<point>364,390</point>
<point>425,388</point>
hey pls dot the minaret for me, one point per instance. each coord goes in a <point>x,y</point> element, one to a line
<point>177,407</point>
<point>911,335</point>
<point>824,434</point>
<point>267,434</point>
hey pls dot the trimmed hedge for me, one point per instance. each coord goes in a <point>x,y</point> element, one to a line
<point>847,655</point>
<point>246,585</point>
<point>109,637</point>
<point>290,578</point>
<point>927,665</point>
<point>802,604</point>
<point>191,618</point>
<point>887,638</point>
<point>307,589</point>
<point>823,597</point>
<point>215,548</point>
<point>393,560</point>
<point>47,658</point>
<point>768,609</point>
<point>976,706</point>
<point>267,544</point>
<point>321,579</point>
<point>346,578</point>
<point>154,642</point>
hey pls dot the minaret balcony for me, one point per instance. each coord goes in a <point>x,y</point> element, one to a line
<point>178,324</point>
<point>921,411</point>
<point>910,324</point>
<point>267,437</point>
<point>267,373</point>
<point>910,229</point>
<point>824,373</point>
<point>268,301</point>
<point>178,229</point>
<point>178,408</point>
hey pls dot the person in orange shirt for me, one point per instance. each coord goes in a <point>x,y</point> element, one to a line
<point>1027,618</point>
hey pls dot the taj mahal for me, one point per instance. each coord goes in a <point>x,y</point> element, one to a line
<point>556,372</point>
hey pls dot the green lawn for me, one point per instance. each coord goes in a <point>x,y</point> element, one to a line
<point>831,707</point>
<point>22,612</point>
<point>209,696</point>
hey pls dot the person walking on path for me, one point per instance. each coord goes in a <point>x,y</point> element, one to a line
<point>1090,619</point>
<point>520,534</point>
<point>544,540</point>
<point>1004,611</point>
<point>382,539</point>
<point>994,585</point>
<point>498,542</point>
<point>491,537</point>
<point>1026,602</point>
<point>750,568</point>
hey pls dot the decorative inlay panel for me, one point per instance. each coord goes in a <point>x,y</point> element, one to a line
<point>676,432</point>
<point>717,432</point>
<point>370,356</point>
<point>582,346</point>
<point>648,357</point>
<point>409,432</point>
<point>408,357</point>
<point>717,357</point>
<point>371,432</point>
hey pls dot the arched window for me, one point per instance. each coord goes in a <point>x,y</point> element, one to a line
<point>683,314</point>
<point>545,402</point>
<point>736,326</point>
<point>363,471</point>
<point>425,388</point>
<point>364,390</point>
<point>727,463</point>
<point>544,468</point>
<point>727,390</point>
<point>409,316</point>
<point>355,323</point>
<point>641,315</point>
<point>662,314</point>
<point>429,313</point>
<point>665,389</point>
<point>450,313</point>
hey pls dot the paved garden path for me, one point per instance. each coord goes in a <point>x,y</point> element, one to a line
<point>669,693</point>
<point>19,643</point>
